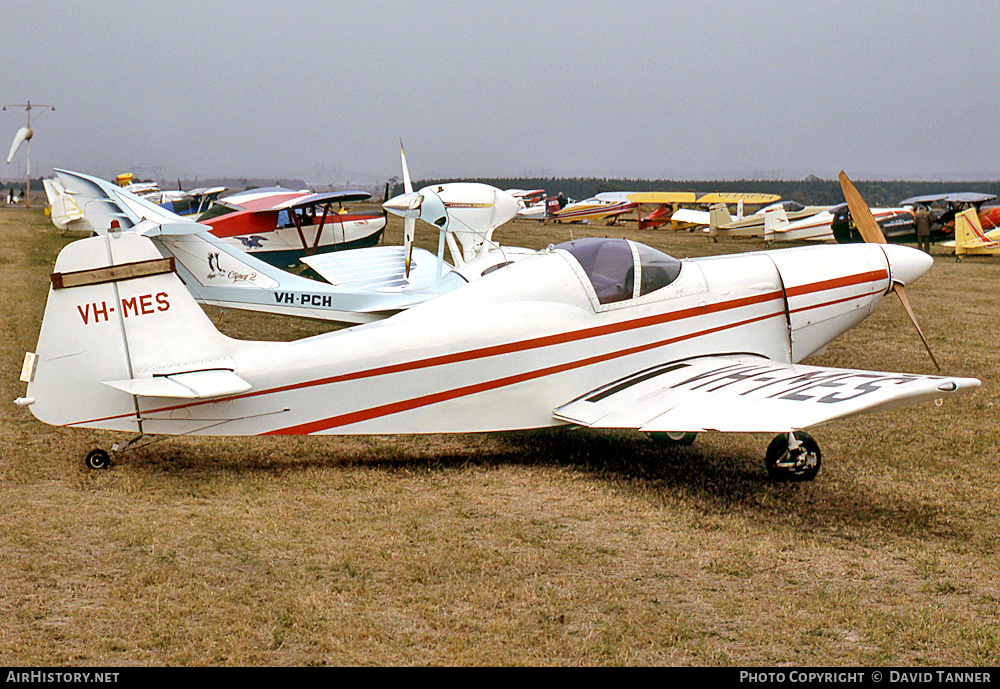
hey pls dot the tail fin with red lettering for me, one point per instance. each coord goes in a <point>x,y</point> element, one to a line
<point>120,327</point>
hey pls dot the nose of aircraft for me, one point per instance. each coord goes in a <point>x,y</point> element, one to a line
<point>906,264</point>
<point>405,205</point>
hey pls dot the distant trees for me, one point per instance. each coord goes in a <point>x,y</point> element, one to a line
<point>810,191</point>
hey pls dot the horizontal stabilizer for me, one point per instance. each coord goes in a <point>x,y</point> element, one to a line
<point>190,385</point>
<point>690,216</point>
<point>748,394</point>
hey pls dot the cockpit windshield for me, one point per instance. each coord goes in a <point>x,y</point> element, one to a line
<point>612,265</point>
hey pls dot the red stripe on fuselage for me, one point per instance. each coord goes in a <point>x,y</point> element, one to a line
<point>834,283</point>
<point>445,395</point>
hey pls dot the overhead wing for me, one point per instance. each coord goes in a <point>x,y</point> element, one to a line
<point>315,199</point>
<point>661,197</point>
<point>972,197</point>
<point>744,393</point>
<point>749,199</point>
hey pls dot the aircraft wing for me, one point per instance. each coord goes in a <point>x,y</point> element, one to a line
<point>744,393</point>
<point>375,268</point>
<point>748,198</point>
<point>959,197</point>
<point>101,202</point>
<point>326,197</point>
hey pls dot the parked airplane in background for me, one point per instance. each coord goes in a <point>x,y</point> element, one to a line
<point>465,215</point>
<point>669,208</point>
<point>970,238</point>
<point>601,333</point>
<point>718,222</point>
<point>944,208</point>
<point>190,203</point>
<point>64,211</point>
<point>282,226</point>
<point>360,285</point>
<point>594,208</point>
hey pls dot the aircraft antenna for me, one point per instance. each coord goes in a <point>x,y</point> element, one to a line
<point>28,107</point>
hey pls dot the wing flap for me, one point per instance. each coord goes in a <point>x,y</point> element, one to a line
<point>190,385</point>
<point>746,394</point>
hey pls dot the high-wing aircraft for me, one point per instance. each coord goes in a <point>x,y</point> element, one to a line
<point>601,333</point>
<point>360,285</point>
<point>283,227</point>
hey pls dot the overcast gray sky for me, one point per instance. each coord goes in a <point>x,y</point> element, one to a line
<point>324,91</point>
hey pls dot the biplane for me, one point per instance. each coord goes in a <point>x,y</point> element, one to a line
<point>282,226</point>
<point>597,333</point>
<point>944,208</point>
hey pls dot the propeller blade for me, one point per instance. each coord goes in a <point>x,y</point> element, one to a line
<point>901,293</point>
<point>862,215</point>
<point>409,224</point>
<point>872,233</point>
<point>407,184</point>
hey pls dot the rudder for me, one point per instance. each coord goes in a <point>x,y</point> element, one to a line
<point>117,323</point>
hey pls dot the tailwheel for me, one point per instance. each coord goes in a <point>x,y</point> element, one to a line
<point>97,459</point>
<point>793,457</point>
<point>673,438</point>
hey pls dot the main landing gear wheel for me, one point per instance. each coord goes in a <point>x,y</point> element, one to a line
<point>97,459</point>
<point>793,457</point>
<point>673,438</point>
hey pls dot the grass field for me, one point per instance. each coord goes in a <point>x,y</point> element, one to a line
<point>555,547</point>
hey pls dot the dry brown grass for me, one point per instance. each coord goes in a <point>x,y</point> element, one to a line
<point>555,547</point>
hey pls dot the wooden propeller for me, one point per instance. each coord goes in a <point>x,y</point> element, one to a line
<point>872,233</point>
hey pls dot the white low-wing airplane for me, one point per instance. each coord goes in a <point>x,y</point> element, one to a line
<point>361,285</point>
<point>604,333</point>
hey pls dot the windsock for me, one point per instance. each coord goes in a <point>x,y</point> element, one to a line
<point>23,134</point>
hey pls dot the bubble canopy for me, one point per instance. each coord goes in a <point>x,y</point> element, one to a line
<point>613,264</point>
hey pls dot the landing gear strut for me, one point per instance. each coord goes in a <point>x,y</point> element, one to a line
<point>793,457</point>
<point>101,459</point>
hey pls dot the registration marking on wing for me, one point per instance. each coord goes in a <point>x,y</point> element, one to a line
<point>822,386</point>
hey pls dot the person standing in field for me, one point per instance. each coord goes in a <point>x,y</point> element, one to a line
<point>922,222</point>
